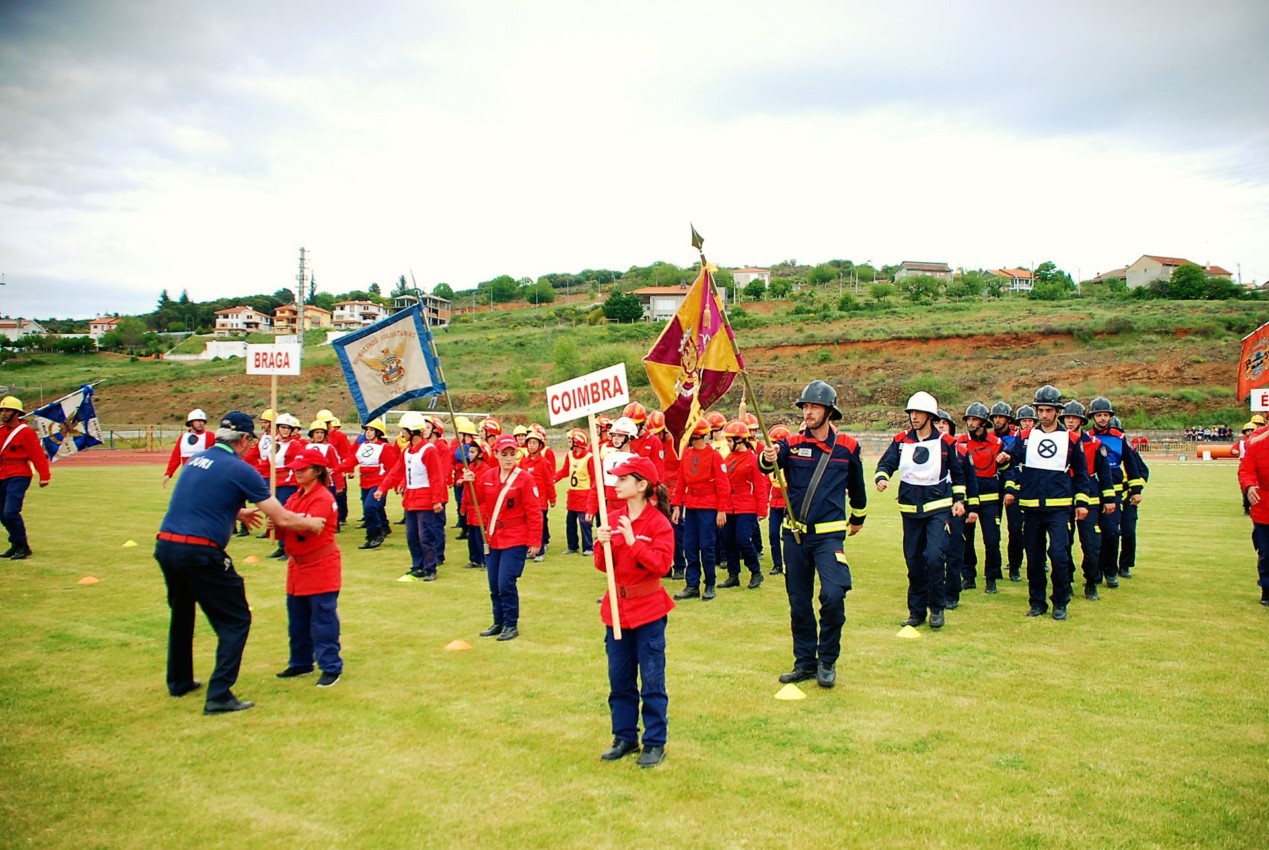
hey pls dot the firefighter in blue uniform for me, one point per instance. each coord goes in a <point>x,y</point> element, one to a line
<point>1045,471</point>
<point>822,469</point>
<point>931,492</point>
<point>1128,478</point>
<point>1131,495</point>
<point>957,579</point>
<point>982,445</point>
<point>1102,503</point>
<point>1004,429</point>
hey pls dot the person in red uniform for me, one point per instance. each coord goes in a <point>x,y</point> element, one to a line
<point>372,460</point>
<point>422,471</point>
<point>196,439</point>
<point>1253,477</point>
<point>776,505</point>
<point>287,445</point>
<point>512,509</point>
<point>579,470</point>
<point>336,437</point>
<point>539,461</point>
<point>645,443</point>
<point>617,451</point>
<point>478,461</point>
<point>700,500</point>
<point>670,470</point>
<point>20,449</point>
<point>642,541</point>
<point>748,496</point>
<point>313,571</point>
<point>447,472</point>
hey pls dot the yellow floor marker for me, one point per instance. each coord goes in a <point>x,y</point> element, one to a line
<point>457,645</point>
<point>251,559</point>
<point>790,692</point>
<point>89,580</point>
<point>129,544</point>
<point>908,633</point>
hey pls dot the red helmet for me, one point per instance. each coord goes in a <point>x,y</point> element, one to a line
<point>603,423</point>
<point>656,422</point>
<point>778,433</point>
<point>752,421</point>
<point>491,427</point>
<point>636,411</point>
<point>537,432</point>
<point>578,437</point>
<point>715,419</point>
<point>437,425</point>
<point>736,429</point>
<point>701,428</point>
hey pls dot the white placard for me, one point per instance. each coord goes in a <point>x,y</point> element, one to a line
<point>1047,449</point>
<point>1260,400</point>
<point>578,397</point>
<point>273,359</point>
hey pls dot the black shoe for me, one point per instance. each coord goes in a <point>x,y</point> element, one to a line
<point>991,586</point>
<point>1264,596</point>
<point>952,604</point>
<point>825,676</point>
<point>278,553</point>
<point>361,524</point>
<point>22,554</point>
<point>1090,593</point>
<point>292,672</point>
<point>776,571</point>
<point>243,532</point>
<point>797,674</point>
<point>262,535</point>
<point>586,553</point>
<point>372,542</point>
<point>651,756</point>
<point>755,581</point>
<point>1059,612</point>
<point>678,575</point>
<point>709,593</point>
<point>401,521</point>
<point>619,749</point>
<point>509,633</point>
<point>688,593</point>
<point>730,581</point>
<point>1124,572</point>
<point>913,622</point>
<point>472,565</point>
<point>185,689</point>
<point>416,573</point>
<point>1036,612</point>
<point>223,706</point>
<point>8,553</point>
<point>1112,580</point>
<point>1015,573</point>
<point>462,535</point>
<point>937,619</point>
<point>495,629</point>
<point>968,584</point>
<point>327,679</point>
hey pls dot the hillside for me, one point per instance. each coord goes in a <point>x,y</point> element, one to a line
<point>1165,364</point>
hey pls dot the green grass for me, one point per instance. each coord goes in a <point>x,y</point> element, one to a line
<point>1138,723</point>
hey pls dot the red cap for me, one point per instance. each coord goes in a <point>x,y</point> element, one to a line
<point>637,465</point>
<point>309,457</point>
<point>506,441</point>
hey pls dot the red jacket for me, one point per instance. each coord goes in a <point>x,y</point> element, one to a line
<point>702,481</point>
<point>186,447</point>
<point>580,471</point>
<point>1253,471</point>
<point>639,568</point>
<point>284,452</point>
<point>542,467</point>
<point>610,458</point>
<point>420,468</point>
<point>519,521</point>
<point>313,562</point>
<point>447,464</point>
<point>23,450</point>
<point>651,447</point>
<point>339,440</point>
<point>479,467</point>
<point>670,456</point>
<point>748,494</point>
<point>372,462</point>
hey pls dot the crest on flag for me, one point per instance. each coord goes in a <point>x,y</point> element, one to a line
<point>693,361</point>
<point>68,425</point>
<point>1253,365</point>
<point>389,362</point>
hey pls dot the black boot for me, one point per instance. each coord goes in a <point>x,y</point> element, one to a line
<point>1264,596</point>
<point>1015,573</point>
<point>22,553</point>
<point>374,541</point>
<point>8,553</point>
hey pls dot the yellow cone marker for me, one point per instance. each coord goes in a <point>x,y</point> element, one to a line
<point>251,559</point>
<point>908,633</point>
<point>790,692</point>
<point>89,580</point>
<point>129,544</point>
<point>457,645</point>
<point>407,577</point>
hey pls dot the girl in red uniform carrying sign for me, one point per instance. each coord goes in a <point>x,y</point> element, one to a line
<point>642,553</point>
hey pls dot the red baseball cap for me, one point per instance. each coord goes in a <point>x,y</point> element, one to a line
<point>506,441</point>
<point>637,465</point>
<point>309,457</point>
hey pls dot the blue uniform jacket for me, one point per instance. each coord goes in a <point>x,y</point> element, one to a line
<point>921,500</point>
<point>1048,489</point>
<point>843,477</point>
<point>1126,465</point>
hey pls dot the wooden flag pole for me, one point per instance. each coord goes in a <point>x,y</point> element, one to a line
<point>598,473</point>
<point>273,436</point>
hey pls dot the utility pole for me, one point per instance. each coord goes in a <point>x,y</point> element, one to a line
<point>299,296</point>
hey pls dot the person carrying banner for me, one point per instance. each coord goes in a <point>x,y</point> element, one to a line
<point>196,439</point>
<point>509,498</point>
<point>642,554</point>
<point>313,571</point>
<point>190,550</point>
<point>822,469</point>
<point>421,470</point>
<point>20,450</point>
<point>577,468</point>
<point>701,501</point>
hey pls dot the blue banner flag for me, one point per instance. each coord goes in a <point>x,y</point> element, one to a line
<point>389,363</point>
<point>68,425</point>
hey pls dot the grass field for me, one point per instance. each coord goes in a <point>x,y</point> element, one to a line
<point>1140,722</point>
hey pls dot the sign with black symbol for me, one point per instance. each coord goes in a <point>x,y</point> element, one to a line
<point>919,463</point>
<point>1047,450</point>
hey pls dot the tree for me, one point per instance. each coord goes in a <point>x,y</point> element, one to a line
<point>623,307</point>
<point>882,291</point>
<point>500,289</point>
<point>822,273</point>
<point>1048,272</point>
<point>539,293</point>
<point>164,301</point>
<point>184,299</point>
<point>312,289</point>
<point>324,300</point>
<point>756,289</point>
<point>284,296</point>
<point>922,287</point>
<point>443,290</point>
<point>375,290</point>
<point>780,287</point>
<point>402,287</point>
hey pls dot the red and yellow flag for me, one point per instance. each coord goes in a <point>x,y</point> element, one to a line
<point>693,361</point>
<point>1253,365</point>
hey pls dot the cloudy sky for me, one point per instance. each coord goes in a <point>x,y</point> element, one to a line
<point>198,146</point>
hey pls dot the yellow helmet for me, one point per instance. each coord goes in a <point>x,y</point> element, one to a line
<point>378,425</point>
<point>324,415</point>
<point>520,430</point>
<point>268,415</point>
<point>334,422</point>
<point>1257,418</point>
<point>11,403</point>
<point>318,425</point>
<point>1250,426</point>
<point>465,425</point>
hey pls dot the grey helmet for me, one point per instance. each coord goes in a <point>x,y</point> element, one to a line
<point>1026,411</point>
<point>947,417</point>
<point>1048,396</point>
<point>1116,424</point>
<point>1074,408</point>
<point>980,410</point>
<point>1101,404</point>
<point>818,392</point>
<point>1002,408</point>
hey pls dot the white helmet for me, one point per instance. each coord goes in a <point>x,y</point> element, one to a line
<point>196,413</point>
<point>414,421</point>
<point>287,419</point>
<point>625,425</point>
<point>923,402</point>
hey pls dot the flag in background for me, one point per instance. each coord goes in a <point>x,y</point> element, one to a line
<point>389,362</point>
<point>1253,365</point>
<point>693,362</point>
<point>68,425</point>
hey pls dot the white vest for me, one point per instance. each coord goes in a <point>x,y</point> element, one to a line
<point>368,454</point>
<point>264,447</point>
<point>611,460</point>
<point>921,463</point>
<point>1047,450</point>
<point>415,471</point>
<point>192,444</point>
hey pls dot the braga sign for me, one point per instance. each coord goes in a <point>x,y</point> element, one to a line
<point>273,359</point>
<point>578,397</point>
<point>1260,400</point>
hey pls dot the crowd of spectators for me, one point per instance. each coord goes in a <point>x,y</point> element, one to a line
<point>1209,434</point>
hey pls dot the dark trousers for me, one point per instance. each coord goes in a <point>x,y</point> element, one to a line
<point>738,536</point>
<point>954,558</point>
<point>436,527</point>
<point>775,518</point>
<point>988,526</point>
<point>420,538</point>
<point>757,536</point>
<point>573,521</point>
<point>699,537</point>
<point>14,494</point>
<point>375,511</point>
<point>341,505</point>
<point>458,503</point>
<point>1111,527</point>
<point>1041,526</point>
<point>1260,540</point>
<point>504,567</point>
<point>1128,537</point>
<point>925,540</point>
<point>638,656</point>
<point>475,545</point>
<point>817,554</point>
<point>1016,546</point>
<point>546,530</point>
<point>1090,537</point>
<point>680,562</point>
<point>203,575</point>
<point>313,626</point>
